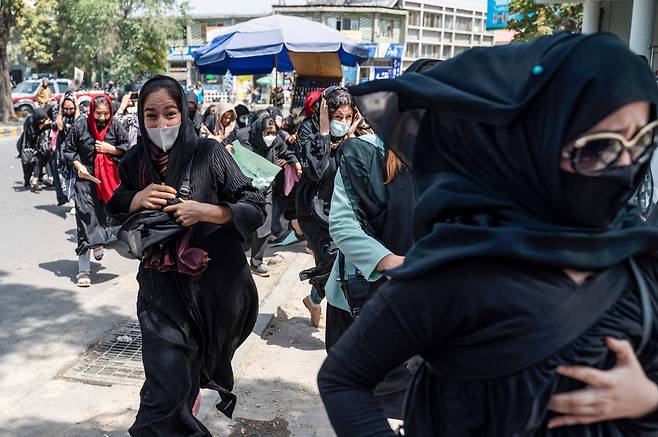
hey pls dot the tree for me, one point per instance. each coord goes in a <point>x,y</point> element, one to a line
<point>533,20</point>
<point>10,12</point>
<point>118,39</point>
<point>39,30</point>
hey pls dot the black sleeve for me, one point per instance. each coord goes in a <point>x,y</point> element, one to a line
<point>230,138</point>
<point>285,153</point>
<point>397,323</point>
<point>314,152</point>
<point>121,136</point>
<point>70,146</point>
<point>123,195</point>
<point>246,203</point>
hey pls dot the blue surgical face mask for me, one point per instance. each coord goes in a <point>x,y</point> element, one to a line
<point>338,129</point>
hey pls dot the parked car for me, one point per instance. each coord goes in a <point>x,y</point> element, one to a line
<point>24,94</point>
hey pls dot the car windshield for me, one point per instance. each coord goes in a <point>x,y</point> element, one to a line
<point>26,87</point>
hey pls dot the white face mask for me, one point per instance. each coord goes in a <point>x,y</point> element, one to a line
<point>338,129</point>
<point>163,137</point>
<point>269,140</point>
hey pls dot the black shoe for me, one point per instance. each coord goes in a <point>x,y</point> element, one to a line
<point>260,271</point>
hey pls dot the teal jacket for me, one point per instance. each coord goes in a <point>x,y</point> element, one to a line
<point>361,251</point>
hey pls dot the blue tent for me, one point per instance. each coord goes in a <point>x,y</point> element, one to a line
<point>259,45</point>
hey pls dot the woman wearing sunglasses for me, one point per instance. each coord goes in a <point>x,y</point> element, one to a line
<point>531,290</point>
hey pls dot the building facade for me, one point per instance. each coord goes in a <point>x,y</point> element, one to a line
<point>442,29</point>
<point>378,25</point>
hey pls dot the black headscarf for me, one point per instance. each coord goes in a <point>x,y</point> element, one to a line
<point>241,111</point>
<point>186,141</point>
<point>256,136</point>
<point>422,64</point>
<point>485,146</point>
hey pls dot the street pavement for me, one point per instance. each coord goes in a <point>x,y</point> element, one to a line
<point>46,323</point>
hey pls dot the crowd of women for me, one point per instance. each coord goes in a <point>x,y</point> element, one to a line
<point>484,272</point>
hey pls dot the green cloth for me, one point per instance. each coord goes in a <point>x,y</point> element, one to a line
<point>261,171</point>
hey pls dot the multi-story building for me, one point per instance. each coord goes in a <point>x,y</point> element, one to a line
<point>379,25</point>
<point>442,29</point>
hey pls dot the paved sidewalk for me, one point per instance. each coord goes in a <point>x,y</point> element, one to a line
<point>276,383</point>
<point>11,129</point>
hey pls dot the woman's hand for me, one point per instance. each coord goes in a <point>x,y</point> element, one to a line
<point>623,392</point>
<point>152,197</point>
<point>229,148</point>
<point>298,168</point>
<point>389,262</point>
<point>82,171</point>
<point>324,117</point>
<point>281,162</point>
<point>190,212</point>
<point>103,147</point>
<point>355,124</point>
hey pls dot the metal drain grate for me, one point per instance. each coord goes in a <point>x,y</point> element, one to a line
<point>115,360</point>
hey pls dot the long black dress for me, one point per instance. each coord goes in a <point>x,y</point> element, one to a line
<point>192,325</point>
<point>466,325</point>
<point>91,217</point>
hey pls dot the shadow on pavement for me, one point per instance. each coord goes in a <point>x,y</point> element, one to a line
<point>31,317</point>
<point>59,211</point>
<point>37,426</point>
<point>67,268</point>
<point>276,334</point>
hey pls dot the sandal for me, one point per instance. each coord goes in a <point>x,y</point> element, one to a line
<point>84,280</point>
<point>98,253</point>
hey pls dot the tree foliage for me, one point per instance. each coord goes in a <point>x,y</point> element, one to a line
<point>10,12</point>
<point>533,20</point>
<point>116,39</point>
<point>38,27</point>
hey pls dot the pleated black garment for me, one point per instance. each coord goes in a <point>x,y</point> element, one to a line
<point>91,216</point>
<point>192,325</point>
<point>464,319</point>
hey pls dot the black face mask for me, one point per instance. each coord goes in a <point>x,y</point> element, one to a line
<point>101,124</point>
<point>192,113</point>
<point>595,201</point>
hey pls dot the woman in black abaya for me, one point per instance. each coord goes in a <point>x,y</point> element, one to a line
<point>526,258</point>
<point>197,301</point>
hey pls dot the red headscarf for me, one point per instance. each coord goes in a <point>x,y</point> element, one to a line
<point>309,102</point>
<point>105,168</point>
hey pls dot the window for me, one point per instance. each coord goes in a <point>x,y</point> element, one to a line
<point>432,20</point>
<point>412,50</point>
<point>27,87</point>
<point>414,18</point>
<point>62,85</point>
<point>347,24</point>
<point>449,24</point>
<point>447,52</point>
<point>459,50</point>
<point>464,24</point>
<point>386,28</point>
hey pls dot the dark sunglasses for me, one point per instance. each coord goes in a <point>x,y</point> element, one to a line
<point>592,154</point>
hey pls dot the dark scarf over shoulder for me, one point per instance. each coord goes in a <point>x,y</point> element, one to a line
<point>485,147</point>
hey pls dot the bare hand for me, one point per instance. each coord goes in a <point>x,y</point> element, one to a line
<point>324,118</point>
<point>230,148</point>
<point>623,392</point>
<point>298,168</point>
<point>281,162</point>
<point>187,213</point>
<point>355,124</point>
<point>103,147</point>
<point>154,196</point>
<point>292,139</point>
<point>125,103</point>
<point>389,262</point>
<point>83,173</point>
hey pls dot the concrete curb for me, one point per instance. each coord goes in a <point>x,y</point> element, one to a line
<point>10,131</point>
<point>266,313</point>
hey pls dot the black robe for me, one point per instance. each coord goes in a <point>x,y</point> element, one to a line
<point>192,325</point>
<point>93,222</point>
<point>63,172</point>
